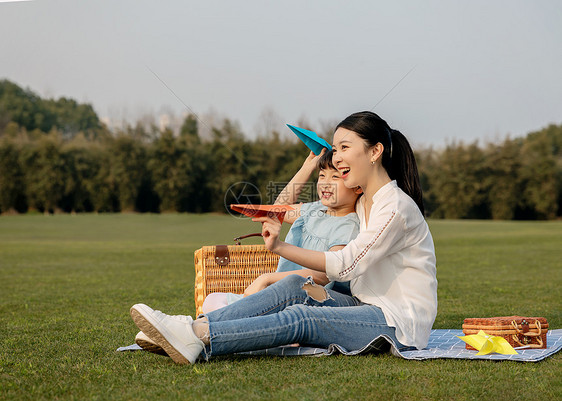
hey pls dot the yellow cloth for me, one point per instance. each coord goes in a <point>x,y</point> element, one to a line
<point>486,344</point>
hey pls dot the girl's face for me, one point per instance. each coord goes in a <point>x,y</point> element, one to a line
<point>333,192</point>
<point>352,158</point>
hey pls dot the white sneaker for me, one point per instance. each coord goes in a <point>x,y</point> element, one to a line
<point>148,344</point>
<point>174,335</point>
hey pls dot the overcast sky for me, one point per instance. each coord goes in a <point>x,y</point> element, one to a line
<point>469,69</point>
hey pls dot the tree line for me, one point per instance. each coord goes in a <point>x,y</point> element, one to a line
<point>56,155</point>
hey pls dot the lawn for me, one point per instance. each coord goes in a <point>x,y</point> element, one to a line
<point>68,283</point>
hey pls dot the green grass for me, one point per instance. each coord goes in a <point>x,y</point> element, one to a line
<point>68,282</point>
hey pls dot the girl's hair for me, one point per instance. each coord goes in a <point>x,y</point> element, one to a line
<point>397,158</point>
<point>325,161</point>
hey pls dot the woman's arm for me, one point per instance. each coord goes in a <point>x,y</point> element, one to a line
<point>314,260</point>
<point>265,280</point>
<point>384,236</point>
<point>271,227</point>
<point>291,192</point>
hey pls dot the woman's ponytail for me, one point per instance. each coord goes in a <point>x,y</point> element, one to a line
<point>400,164</point>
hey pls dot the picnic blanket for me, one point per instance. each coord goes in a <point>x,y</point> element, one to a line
<point>442,344</point>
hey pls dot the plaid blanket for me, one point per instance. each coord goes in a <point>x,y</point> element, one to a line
<point>442,344</point>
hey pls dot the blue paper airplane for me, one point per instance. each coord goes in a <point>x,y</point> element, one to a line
<point>310,139</point>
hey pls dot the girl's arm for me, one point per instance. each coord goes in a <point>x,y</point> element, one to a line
<point>291,192</point>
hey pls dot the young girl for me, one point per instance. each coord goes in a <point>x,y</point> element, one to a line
<point>325,225</point>
<point>390,265</point>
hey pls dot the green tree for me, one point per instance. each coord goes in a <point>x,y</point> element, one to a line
<point>552,136</point>
<point>128,169</point>
<point>72,117</point>
<point>170,166</point>
<point>457,185</point>
<point>82,164</point>
<point>44,170</point>
<point>190,128</point>
<point>428,164</point>
<point>31,112</point>
<point>228,164</point>
<point>539,177</point>
<point>502,181</point>
<point>104,192</point>
<point>24,107</point>
<point>12,186</point>
<point>195,196</point>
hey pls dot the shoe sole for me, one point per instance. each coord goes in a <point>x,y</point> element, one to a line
<point>151,347</point>
<point>146,324</point>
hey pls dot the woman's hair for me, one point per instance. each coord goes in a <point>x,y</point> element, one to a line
<point>325,161</point>
<point>397,158</point>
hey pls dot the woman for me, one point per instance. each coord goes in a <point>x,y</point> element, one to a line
<point>390,266</point>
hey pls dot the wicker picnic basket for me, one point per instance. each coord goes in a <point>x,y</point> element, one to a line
<point>519,331</point>
<point>230,268</point>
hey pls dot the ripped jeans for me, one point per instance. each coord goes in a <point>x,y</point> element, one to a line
<point>284,313</point>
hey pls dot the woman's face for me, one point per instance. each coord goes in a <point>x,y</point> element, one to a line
<point>351,157</point>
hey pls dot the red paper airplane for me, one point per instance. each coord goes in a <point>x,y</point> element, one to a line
<point>263,210</point>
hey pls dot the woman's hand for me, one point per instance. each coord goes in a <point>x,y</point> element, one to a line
<point>270,230</point>
<point>258,284</point>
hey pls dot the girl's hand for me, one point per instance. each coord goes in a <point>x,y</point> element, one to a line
<point>270,230</point>
<point>258,284</point>
<point>311,161</point>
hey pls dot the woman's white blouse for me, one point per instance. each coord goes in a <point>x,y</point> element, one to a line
<point>391,264</point>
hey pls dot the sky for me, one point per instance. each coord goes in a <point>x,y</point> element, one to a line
<point>439,71</point>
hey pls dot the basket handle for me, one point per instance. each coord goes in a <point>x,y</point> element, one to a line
<point>525,342</point>
<point>237,239</point>
<point>525,328</point>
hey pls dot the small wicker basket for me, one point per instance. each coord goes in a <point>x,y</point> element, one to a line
<point>229,268</point>
<point>519,331</point>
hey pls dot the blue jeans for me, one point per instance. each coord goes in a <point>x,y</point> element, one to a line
<point>284,313</point>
